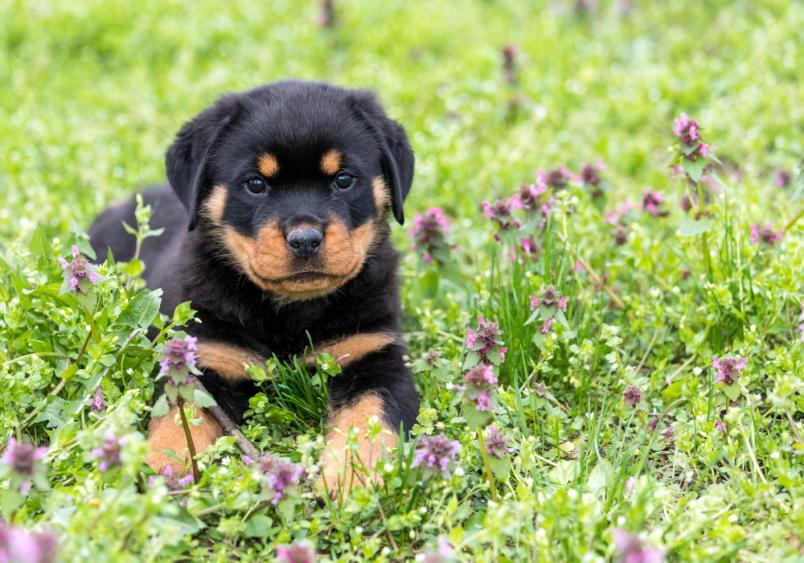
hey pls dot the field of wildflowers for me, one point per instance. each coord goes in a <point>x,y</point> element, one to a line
<point>603,285</point>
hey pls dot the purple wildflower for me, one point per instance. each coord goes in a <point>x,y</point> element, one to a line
<point>719,426</point>
<point>632,550</point>
<point>178,359</point>
<point>496,443</point>
<point>299,552</point>
<point>444,553</point>
<point>729,369</point>
<point>18,545</point>
<point>667,435</point>
<point>766,234</point>
<point>629,485</point>
<point>428,235</point>
<point>557,178</point>
<point>172,480</point>
<point>79,275</point>
<point>470,338</point>
<point>528,195</point>
<point>480,384</point>
<point>501,211</point>
<point>437,455</point>
<point>687,131</point>
<point>109,453</point>
<point>541,389</point>
<point>21,461</point>
<point>487,332</point>
<point>510,53</point>
<point>97,401</point>
<point>549,297</point>
<point>281,477</point>
<point>783,178</point>
<point>590,176</point>
<point>653,424</point>
<point>620,235</point>
<point>546,326</point>
<point>631,396</point>
<point>651,200</point>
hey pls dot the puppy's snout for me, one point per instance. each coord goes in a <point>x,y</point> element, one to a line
<point>304,242</point>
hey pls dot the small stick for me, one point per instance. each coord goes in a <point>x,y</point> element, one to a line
<point>228,425</point>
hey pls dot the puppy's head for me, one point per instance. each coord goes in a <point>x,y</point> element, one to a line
<point>294,180</point>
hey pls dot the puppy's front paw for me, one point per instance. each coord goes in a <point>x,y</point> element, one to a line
<point>165,434</point>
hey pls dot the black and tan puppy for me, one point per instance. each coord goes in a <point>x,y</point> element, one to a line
<point>277,225</point>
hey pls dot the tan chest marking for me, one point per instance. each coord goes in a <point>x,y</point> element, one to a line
<point>354,347</point>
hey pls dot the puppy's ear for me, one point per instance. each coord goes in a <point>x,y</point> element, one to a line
<point>187,158</point>
<point>397,155</point>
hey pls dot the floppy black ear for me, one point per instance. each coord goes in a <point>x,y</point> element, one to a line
<point>397,155</point>
<point>187,158</point>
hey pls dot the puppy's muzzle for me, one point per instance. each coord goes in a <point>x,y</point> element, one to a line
<point>304,242</point>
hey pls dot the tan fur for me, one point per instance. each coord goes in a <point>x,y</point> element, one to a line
<point>227,360</point>
<point>268,165</point>
<point>215,204</point>
<point>354,347</point>
<point>165,434</point>
<point>337,458</point>
<point>269,262</point>
<point>382,198</point>
<point>331,162</point>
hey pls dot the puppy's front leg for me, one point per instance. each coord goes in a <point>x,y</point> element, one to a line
<point>375,386</point>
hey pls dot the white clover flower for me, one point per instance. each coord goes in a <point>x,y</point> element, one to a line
<point>450,386</point>
<point>697,371</point>
<point>459,471</point>
<point>325,367</point>
<point>261,405</point>
<point>389,467</point>
<point>655,292</point>
<point>226,461</point>
<point>358,530</point>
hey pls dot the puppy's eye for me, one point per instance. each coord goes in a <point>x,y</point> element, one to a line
<point>255,185</point>
<point>344,181</point>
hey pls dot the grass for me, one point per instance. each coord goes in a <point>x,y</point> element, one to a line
<point>91,94</point>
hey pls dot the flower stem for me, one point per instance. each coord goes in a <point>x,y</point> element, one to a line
<point>704,236</point>
<point>92,326</point>
<point>794,220</point>
<point>490,476</point>
<point>188,437</point>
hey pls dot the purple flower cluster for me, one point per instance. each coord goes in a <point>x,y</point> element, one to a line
<point>178,359</point>
<point>766,234</point>
<point>502,212</point>
<point>590,177</point>
<point>299,552</point>
<point>97,401</point>
<point>687,131</point>
<point>428,235</point>
<point>18,545</point>
<point>510,53</point>
<point>281,477</point>
<point>729,369</point>
<point>496,442</point>
<point>783,178</point>
<point>21,462</point>
<point>631,396</point>
<point>172,481</point>
<point>109,452</point>
<point>557,178</point>
<point>480,384</point>
<point>632,550</point>
<point>79,275</point>
<point>486,341</point>
<point>549,301</point>
<point>436,455</point>
<point>651,200</point>
<point>443,554</point>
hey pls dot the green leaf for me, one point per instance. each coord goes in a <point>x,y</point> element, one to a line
<point>81,239</point>
<point>202,399</point>
<point>474,417</point>
<point>563,473</point>
<point>500,466</point>
<point>39,245</point>
<point>471,361</point>
<point>161,407</point>
<point>172,455</point>
<point>141,310</point>
<point>258,526</point>
<point>689,227</point>
<point>732,391</point>
<point>130,230</point>
<point>694,168</point>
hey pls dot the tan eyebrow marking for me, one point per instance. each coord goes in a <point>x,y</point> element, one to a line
<point>381,196</point>
<point>268,165</point>
<point>354,347</point>
<point>227,360</point>
<point>331,162</point>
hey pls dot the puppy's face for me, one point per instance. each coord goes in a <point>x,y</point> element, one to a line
<point>297,184</point>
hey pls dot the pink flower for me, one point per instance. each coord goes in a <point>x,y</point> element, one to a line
<point>429,234</point>
<point>178,359</point>
<point>766,234</point>
<point>172,481</point>
<point>549,297</point>
<point>631,396</point>
<point>247,460</point>
<point>651,200</point>
<point>444,554</point>
<point>97,401</point>
<point>719,426</point>
<point>79,275</point>
<point>501,211</point>
<point>109,453</point>
<point>629,485</point>
<point>496,443</point>
<point>546,326</point>
<point>534,302</point>
<point>18,545</point>
<point>437,454</point>
<point>470,338</point>
<point>783,178</point>
<point>279,476</point>
<point>729,369</point>
<point>632,550</point>
<point>299,552</point>
<point>502,355</point>
<point>706,150</point>
<point>483,402</point>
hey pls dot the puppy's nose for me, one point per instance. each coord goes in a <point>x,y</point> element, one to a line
<point>305,241</point>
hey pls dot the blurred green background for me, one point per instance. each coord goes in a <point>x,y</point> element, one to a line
<point>92,91</point>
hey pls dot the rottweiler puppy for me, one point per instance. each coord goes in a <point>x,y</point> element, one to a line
<point>276,226</point>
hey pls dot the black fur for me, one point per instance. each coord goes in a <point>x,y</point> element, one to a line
<point>295,122</point>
